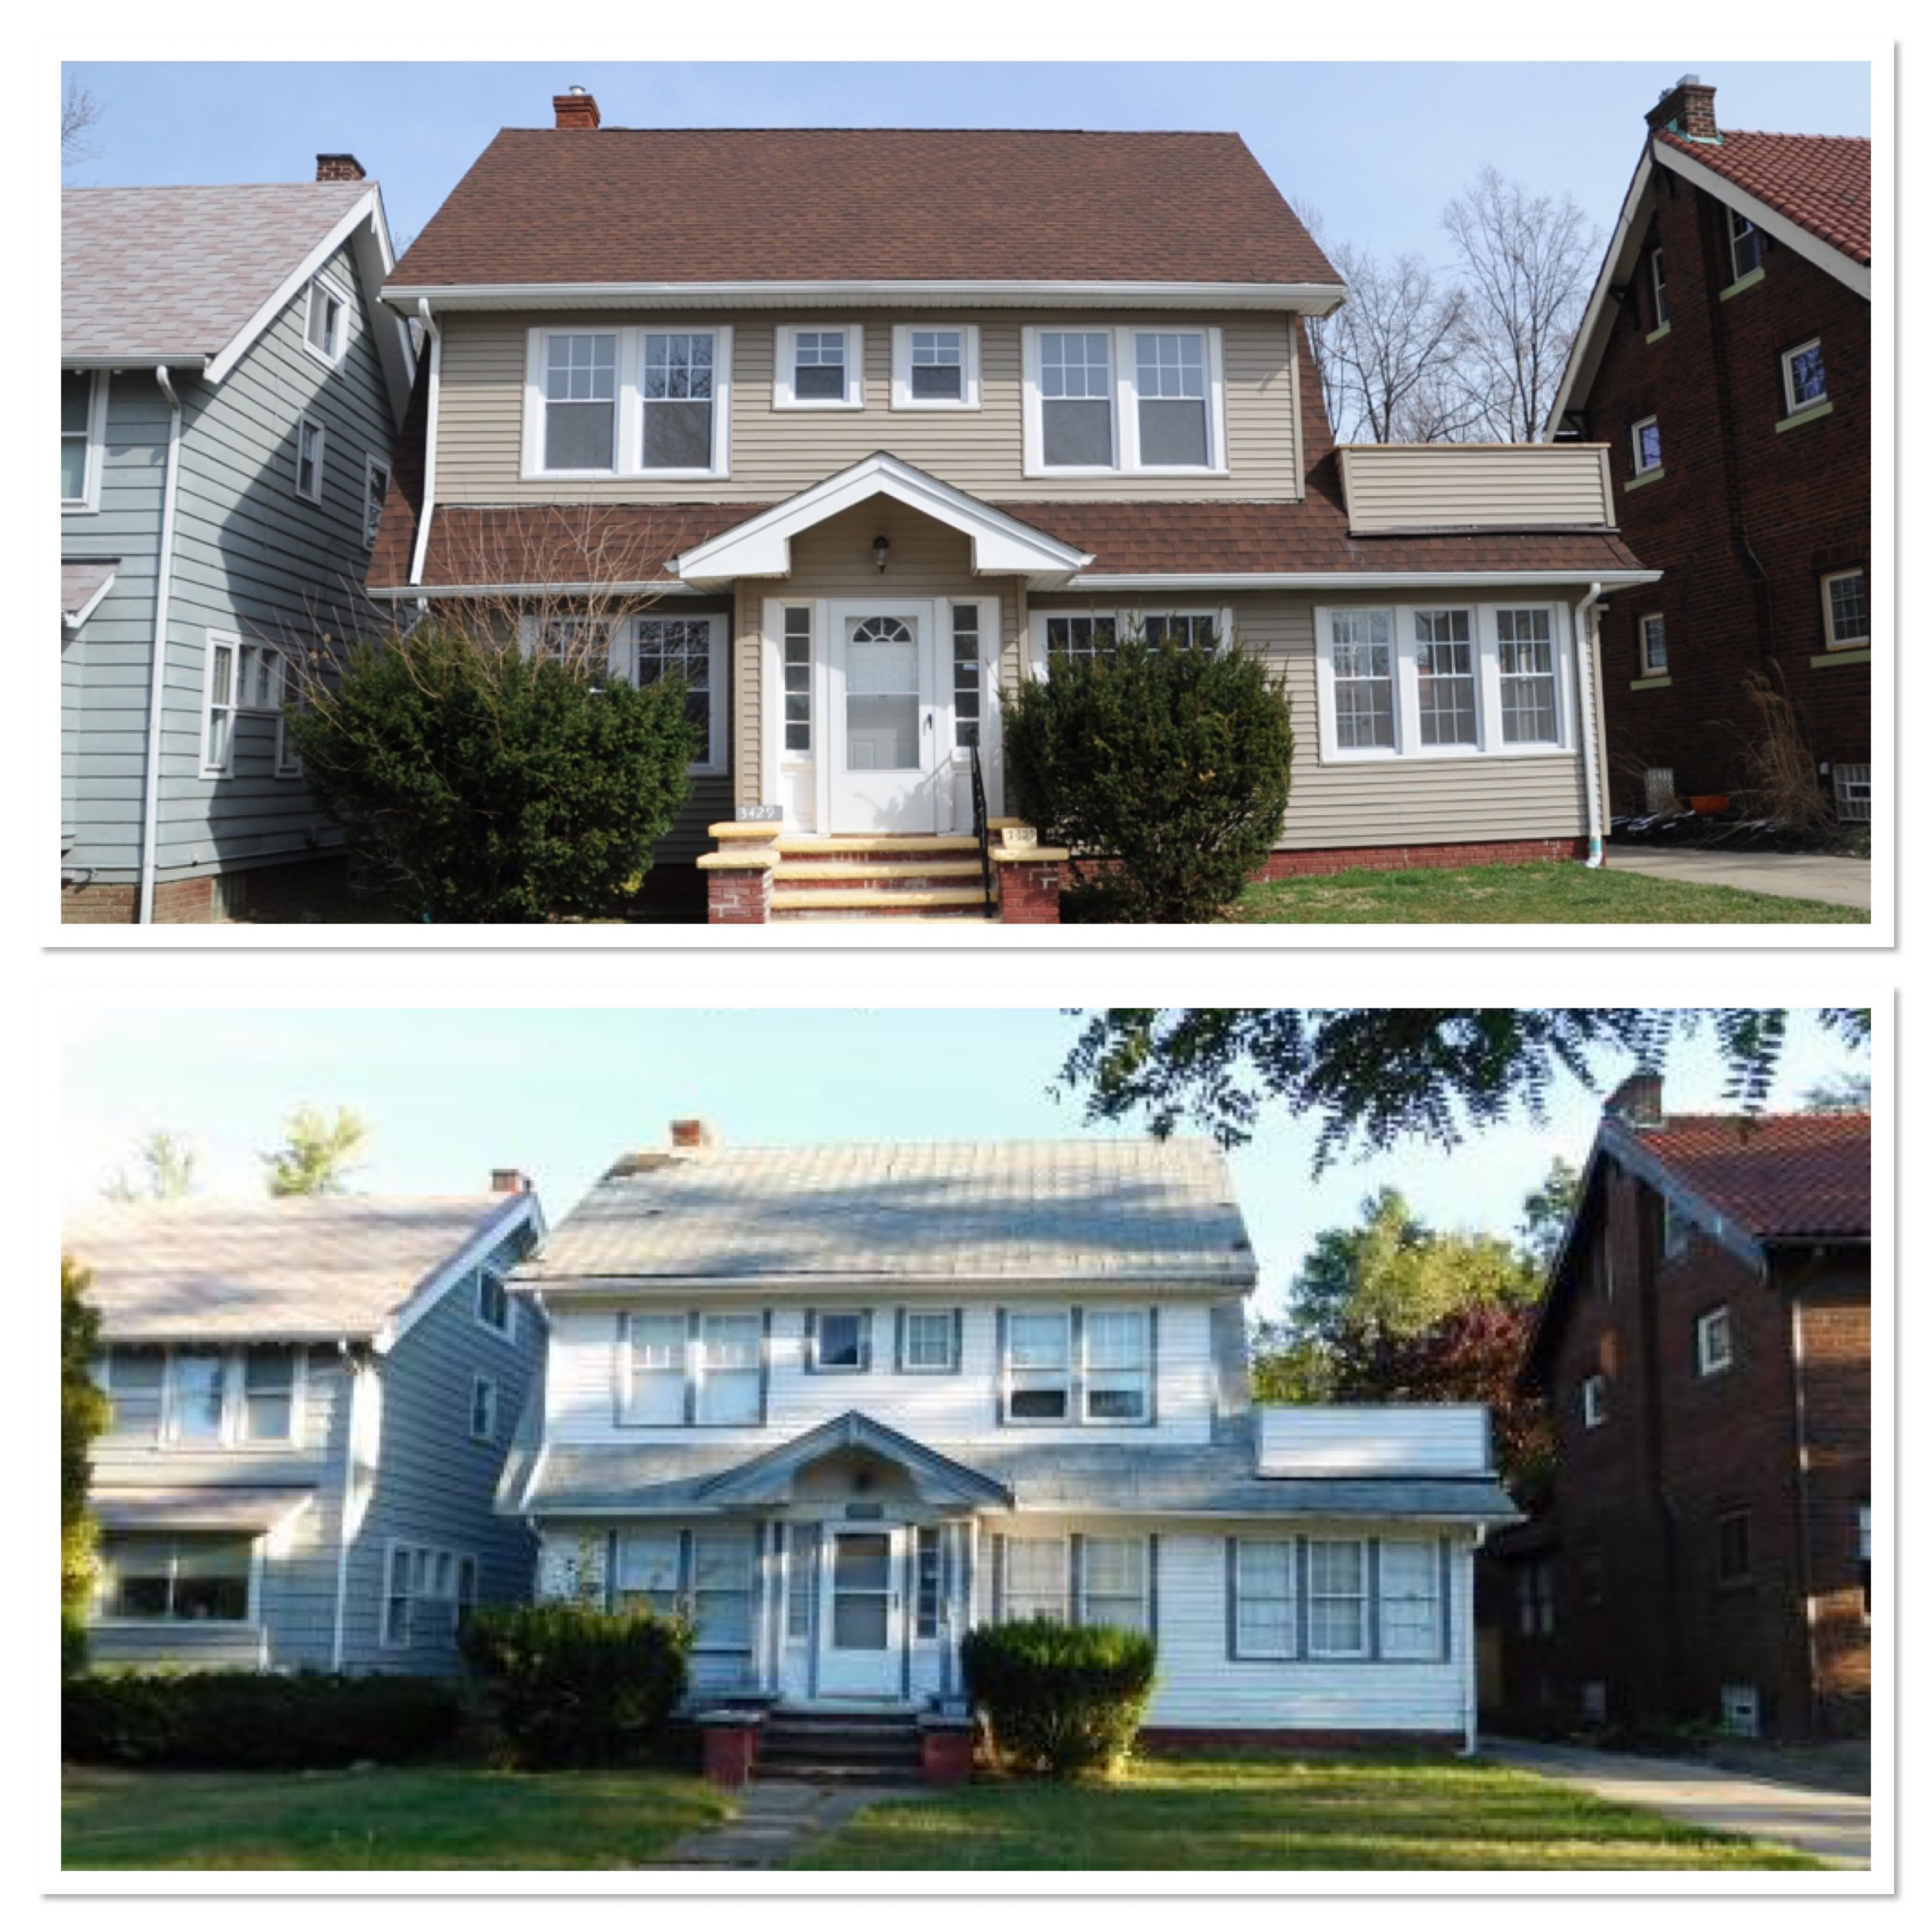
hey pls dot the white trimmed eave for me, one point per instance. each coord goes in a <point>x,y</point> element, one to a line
<point>415,593</point>
<point>584,1290</point>
<point>1310,298</point>
<point>516,1209</point>
<point>143,359</point>
<point>1204,580</point>
<point>1002,545</point>
<point>73,620</point>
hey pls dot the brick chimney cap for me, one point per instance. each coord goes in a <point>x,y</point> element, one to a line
<point>689,1136</point>
<point>577,108</point>
<point>508,1180</point>
<point>340,168</point>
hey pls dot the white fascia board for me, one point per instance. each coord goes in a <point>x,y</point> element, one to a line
<point>561,1290</point>
<point>761,546</point>
<point>1312,298</point>
<point>310,264</point>
<point>75,620</point>
<point>1619,263</point>
<point>143,359</point>
<point>517,1209</point>
<point>412,593</point>
<point>1835,263</point>
<point>374,258</point>
<point>1361,579</point>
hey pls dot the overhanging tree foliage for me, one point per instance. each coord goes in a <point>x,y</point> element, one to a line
<point>1371,1075</point>
<point>83,1416</point>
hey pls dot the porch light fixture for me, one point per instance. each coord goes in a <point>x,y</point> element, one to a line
<point>882,548</point>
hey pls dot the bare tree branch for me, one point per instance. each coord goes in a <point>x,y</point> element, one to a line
<point>79,113</point>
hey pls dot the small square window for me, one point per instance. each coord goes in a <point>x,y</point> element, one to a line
<point>929,1343</point>
<point>936,367</point>
<point>1848,602</point>
<point>1596,1401</point>
<point>842,1343</point>
<point>1714,1345</point>
<point>820,368</point>
<point>1804,369</point>
<point>1646,446</point>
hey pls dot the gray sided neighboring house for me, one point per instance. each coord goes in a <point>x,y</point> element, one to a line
<point>202,329</point>
<point>312,1403</point>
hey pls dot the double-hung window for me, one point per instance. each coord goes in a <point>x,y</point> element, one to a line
<point>1264,1593</point>
<point>1362,653</point>
<point>936,367</point>
<point>482,1409</point>
<point>1076,389</point>
<point>820,367</point>
<point>1654,656</point>
<point>649,650</point>
<point>647,1567</point>
<point>1659,295</point>
<point>325,328</point>
<point>1170,393</point>
<point>679,386</point>
<point>841,1341</point>
<point>580,395</point>
<point>494,1309</point>
<point>311,447</point>
<point>722,1589</point>
<point>267,1410</point>
<point>132,1380</point>
<point>83,406</point>
<point>1747,246</point>
<point>1646,446</point>
<point>197,1395</point>
<point>1848,602</point>
<point>218,705</point>
<point>929,1341</point>
<point>1036,1579</point>
<point>1039,1365</point>
<point>1116,1383</point>
<point>1126,399</point>
<point>1410,1598</point>
<point>654,1395</point>
<point>640,402</point>
<point>177,1580</point>
<point>1803,369</point>
<point>732,1373</point>
<point>1526,663</point>
<point>1113,1581</point>
<point>1337,1598</point>
<point>1445,677</point>
<point>421,1578</point>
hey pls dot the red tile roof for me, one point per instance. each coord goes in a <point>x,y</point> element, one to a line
<point>1781,1176</point>
<point>862,204</point>
<point>1821,181</point>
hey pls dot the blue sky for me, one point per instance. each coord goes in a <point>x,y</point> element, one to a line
<point>452,1093</point>
<point>1374,148</point>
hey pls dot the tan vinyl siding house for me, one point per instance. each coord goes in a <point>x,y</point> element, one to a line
<point>914,460</point>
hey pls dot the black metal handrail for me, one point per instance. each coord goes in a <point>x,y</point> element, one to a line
<point>980,829</point>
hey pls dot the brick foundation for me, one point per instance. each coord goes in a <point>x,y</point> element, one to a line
<point>1029,892</point>
<point>738,898</point>
<point>1402,858</point>
<point>1178,1740</point>
<point>306,890</point>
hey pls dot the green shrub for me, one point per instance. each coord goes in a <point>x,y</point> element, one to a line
<point>241,1720</point>
<point>1173,763</point>
<point>568,1684</point>
<point>1059,1700</point>
<point>484,786</point>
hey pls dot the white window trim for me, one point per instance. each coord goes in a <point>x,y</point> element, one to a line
<point>1247,1653</point>
<point>1645,669</point>
<point>684,1374</point>
<point>950,1319</point>
<point>251,1618</point>
<point>1833,641</point>
<point>1365,1648</point>
<point>1710,1361</point>
<point>1124,620</point>
<point>234,1404</point>
<point>87,504</point>
<point>507,1332</point>
<point>478,1385</point>
<point>1083,1594</point>
<point>341,295</point>
<point>1660,292</point>
<point>1638,467</point>
<point>373,465</point>
<point>232,640</point>
<point>1408,748</point>
<point>1086,1372</point>
<point>1124,401</point>
<point>627,454</point>
<point>1069,1374</point>
<point>903,397</point>
<point>1064,1545</point>
<point>1793,407</point>
<point>458,1559</point>
<point>322,456</point>
<point>716,759</point>
<point>1596,1401</point>
<point>288,764</point>
<point>784,395</point>
<point>1430,1651</point>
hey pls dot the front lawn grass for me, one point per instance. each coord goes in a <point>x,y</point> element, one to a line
<point>1277,1814</point>
<point>443,1819</point>
<point>1551,892</point>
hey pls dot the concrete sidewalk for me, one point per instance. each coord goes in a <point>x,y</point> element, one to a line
<point>1833,1825</point>
<point>1837,880</point>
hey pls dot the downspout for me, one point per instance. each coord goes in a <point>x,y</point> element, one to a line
<point>1589,694</point>
<point>433,329</point>
<point>164,584</point>
<point>1470,1737</point>
<point>1801,1459</point>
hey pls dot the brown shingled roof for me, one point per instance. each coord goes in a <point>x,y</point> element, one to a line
<point>1779,1176</point>
<point>1821,181</point>
<point>862,204</point>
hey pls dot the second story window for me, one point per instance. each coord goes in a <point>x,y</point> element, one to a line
<point>375,487</point>
<point>929,1341</point>
<point>482,1409</point>
<point>1039,1352</point>
<point>326,329</point>
<point>268,1395</point>
<point>196,1386</point>
<point>1646,446</point>
<point>656,1394</point>
<point>1803,370</point>
<point>494,1309</point>
<point>1656,659</point>
<point>1171,385</point>
<point>1660,297</point>
<point>1076,399</point>
<point>626,402</point>
<point>1847,604</point>
<point>820,368</point>
<point>579,403</point>
<point>730,1371</point>
<point>83,405</point>
<point>1714,1341</point>
<point>936,369</point>
<point>1747,246</point>
<point>841,1341</point>
<point>1124,401</point>
<point>311,446</point>
<point>679,384</point>
<point>1596,1401</point>
<point>1117,1385</point>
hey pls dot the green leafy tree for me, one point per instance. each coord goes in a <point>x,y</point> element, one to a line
<point>1372,1075</point>
<point>1839,1094</point>
<point>317,1155</point>
<point>1546,1210</point>
<point>1164,770</point>
<point>83,1416</point>
<point>166,1171</point>
<point>484,786</point>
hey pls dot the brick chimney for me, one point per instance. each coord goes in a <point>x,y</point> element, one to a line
<point>1689,108</point>
<point>577,109</point>
<point>338,167</point>
<point>691,1136</point>
<point>508,1180</point>
<point>1638,1102</point>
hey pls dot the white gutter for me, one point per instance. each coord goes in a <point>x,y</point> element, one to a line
<point>1348,579</point>
<point>164,584</point>
<point>416,593</point>
<point>435,333</point>
<point>1589,693</point>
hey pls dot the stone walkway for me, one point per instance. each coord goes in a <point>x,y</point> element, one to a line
<point>1835,1826</point>
<point>777,1819</point>
<point>1837,880</point>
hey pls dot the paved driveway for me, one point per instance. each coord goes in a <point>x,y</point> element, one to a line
<point>1838,882</point>
<point>1831,1825</point>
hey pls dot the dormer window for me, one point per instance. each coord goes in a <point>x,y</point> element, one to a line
<point>326,328</point>
<point>820,368</point>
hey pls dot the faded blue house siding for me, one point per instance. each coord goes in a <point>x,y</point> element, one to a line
<point>436,1485</point>
<point>251,557</point>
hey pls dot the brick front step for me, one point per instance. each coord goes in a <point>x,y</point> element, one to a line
<point>809,845</point>
<point>878,879</point>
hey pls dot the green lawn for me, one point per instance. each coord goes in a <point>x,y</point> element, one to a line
<point>1554,894</point>
<point>444,1819</point>
<point>1285,1815</point>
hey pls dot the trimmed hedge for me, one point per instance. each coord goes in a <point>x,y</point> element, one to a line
<point>1064,1701</point>
<point>245,1720</point>
<point>568,1684</point>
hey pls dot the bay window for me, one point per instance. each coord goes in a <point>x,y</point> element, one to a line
<point>1125,400</point>
<point>188,1579</point>
<point>1431,681</point>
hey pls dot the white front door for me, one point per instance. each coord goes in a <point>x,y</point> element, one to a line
<point>861,1621</point>
<point>883,742</point>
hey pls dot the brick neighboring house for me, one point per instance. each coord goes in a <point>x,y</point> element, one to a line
<point>1705,1343</point>
<point>1725,358</point>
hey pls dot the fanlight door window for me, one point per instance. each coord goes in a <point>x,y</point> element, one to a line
<point>882,696</point>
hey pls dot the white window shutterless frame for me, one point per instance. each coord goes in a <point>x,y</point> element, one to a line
<point>819,365</point>
<point>936,365</point>
<point>660,367</point>
<point>881,728</point>
<point>862,1611</point>
<point>1154,374</point>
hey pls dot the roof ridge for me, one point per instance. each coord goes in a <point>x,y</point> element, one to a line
<point>785,127</point>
